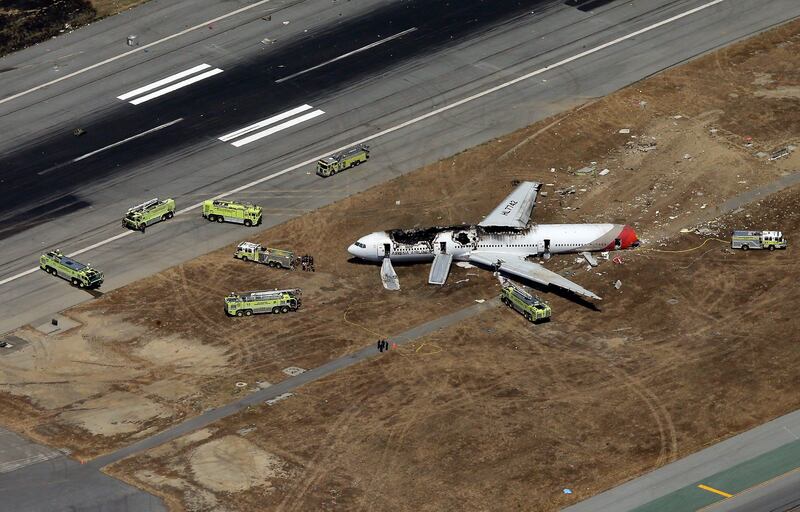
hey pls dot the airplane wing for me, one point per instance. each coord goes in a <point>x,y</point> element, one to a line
<point>525,269</point>
<point>515,210</point>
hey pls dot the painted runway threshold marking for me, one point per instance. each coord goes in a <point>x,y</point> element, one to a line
<point>348,54</point>
<point>271,121</point>
<point>402,125</point>
<point>265,122</point>
<point>118,143</point>
<point>205,24</point>
<point>168,80</point>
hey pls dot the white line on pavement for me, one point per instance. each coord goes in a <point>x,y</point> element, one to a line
<point>163,81</point>
<point>131,52</point>
<point>177,86</point>
<point>348,54</point>
<point>277,128</point>
<point>401,125</point>
<point>265,122</point>
<point>146,132</point>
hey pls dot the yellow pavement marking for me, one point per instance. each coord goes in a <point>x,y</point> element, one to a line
<point>716,491</point>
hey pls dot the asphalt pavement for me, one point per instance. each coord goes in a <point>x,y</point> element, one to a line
<point>450,83</point>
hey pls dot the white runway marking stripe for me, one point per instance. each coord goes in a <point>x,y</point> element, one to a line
<point>277,128</point>
<point>394,128</point>
<point>163,81</point>
<point>348,54</point>
<point>177,86</point>
<point>265,122</point>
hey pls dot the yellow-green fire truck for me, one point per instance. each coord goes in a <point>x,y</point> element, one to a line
<point>249,251</point>
<point>758,240</point>
<point>274,301</point>
<point>80,275</point>
<point>223,210</point>
<point>340,161</point>
<point>148,213</point>
<point>530,306</point>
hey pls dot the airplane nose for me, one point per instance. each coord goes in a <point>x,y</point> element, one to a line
<point>353,249</point>
<point>628,237</point>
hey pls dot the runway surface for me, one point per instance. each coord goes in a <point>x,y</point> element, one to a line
<point>68,192</point>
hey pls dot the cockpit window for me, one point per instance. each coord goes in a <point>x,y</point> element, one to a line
<point>359,244</point>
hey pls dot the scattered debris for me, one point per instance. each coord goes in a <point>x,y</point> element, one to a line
<point>703,206</point>
<point>131,40</point>
<point>618,260</point>
<point>566,191</point>
<point>625,130</point>
<point>462,281</point>
<point>617,283</point>
<point>762,154</point>
<point>246,430</point>
<point>687,156</point>
<point>589,258</point>
<point>604,172</point>
<point>543,194</point>
<point>605,254</point>
<point>589,169</point>
<point>293,371</point>
<point>240,384</point>
<point>464,264</point>
<point>672,301</point>
<point>567,491</point>
<point>480,301</point>
<point>282,396</point>
<point>286,22</point>
<point>78,132</point>
<point>779,154</point>
<point>267,40</point>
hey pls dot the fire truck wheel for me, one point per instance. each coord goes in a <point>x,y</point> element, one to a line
<point>745,247</point>
<point>285,309</point>
<point>771,247</point>
<point>164,217</point>
<point>249,312</point>
<point>211,218</point>
<point>220,219</point>
<point>240,313</point>
<point>81,285</point>
<point>248,222</point>
<point>74,282</point>
<point>244,258</point>
<point>276,310</point>
<point>271,264</point>
<point>170,215</point>
<point>142,228</point>
<point>529,317</point>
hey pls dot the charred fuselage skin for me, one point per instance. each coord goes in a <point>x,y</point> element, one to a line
<point>539,240</point>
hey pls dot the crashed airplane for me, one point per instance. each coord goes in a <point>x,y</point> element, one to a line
<point>503,241</point>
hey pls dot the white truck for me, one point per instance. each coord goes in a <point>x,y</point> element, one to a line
<point>250,251</point>
<point>746,240</point>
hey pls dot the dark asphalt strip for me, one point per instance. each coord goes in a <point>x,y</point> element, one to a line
<point>244,94</point>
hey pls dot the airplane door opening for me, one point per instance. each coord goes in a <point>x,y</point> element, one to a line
<point>387,250</point>
<point>443,247</point>
<point>617,243</point>
<point>546,246</point>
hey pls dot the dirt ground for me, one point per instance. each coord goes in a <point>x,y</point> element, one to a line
<point>26,22</point>
<point>496,414</point>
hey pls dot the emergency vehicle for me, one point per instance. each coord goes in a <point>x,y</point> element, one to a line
<point>758,240</point>
<point>223,210</point>
<point>148,213</point>
<point>530,306</point>
<point>80,275</point>
<point>249,251</point>
<point>340,161</point>
<point>274,301</point>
